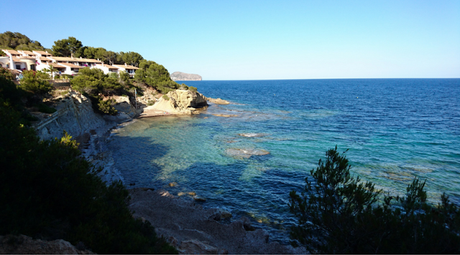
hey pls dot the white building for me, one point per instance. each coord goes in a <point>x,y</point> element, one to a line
<point>40,60</point>
<point>107,69</point>
<point>127,68</point>
<point>19,61</point>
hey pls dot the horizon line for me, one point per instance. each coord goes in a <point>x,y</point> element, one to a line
<point>320,79</point>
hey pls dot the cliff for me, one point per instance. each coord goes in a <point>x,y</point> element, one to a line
<point>179,76</point>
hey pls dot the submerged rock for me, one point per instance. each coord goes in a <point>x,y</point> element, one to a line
<point>218,101</point>
<point>198,198</point>
<point>252,134</point>
<point>225,115</point>
<point>246,153</point>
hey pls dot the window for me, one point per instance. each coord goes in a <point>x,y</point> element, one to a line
<point>18,67</point>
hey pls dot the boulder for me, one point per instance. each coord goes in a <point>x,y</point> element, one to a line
<point>181,102</point>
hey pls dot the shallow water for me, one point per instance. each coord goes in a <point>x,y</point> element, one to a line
<point>395,130</point>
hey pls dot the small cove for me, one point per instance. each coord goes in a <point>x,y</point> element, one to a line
<point>395,130</point>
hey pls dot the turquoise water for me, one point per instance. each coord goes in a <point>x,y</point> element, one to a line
<point>395,130</point>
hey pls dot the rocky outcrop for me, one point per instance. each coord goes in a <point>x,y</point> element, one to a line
<point>218,101</point>
<point>180,76</point>
<point>193,229</point>
<point>181,102</point>
<point>74,114</point>
<point>22,244</point>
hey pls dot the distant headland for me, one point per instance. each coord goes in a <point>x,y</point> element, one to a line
<point>180,76</point>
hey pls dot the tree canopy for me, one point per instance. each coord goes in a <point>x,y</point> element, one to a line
<point>70,47</point>
<point>337,213</point>
<point>155,75</point>
<point>131,58</point>
<point>18,41</point>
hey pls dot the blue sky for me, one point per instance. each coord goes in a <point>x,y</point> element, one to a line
<point>250,39</point>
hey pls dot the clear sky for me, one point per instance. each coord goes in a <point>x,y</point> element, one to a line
<point>251,39</point>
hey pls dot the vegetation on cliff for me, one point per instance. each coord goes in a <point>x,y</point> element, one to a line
<point>48,191</point>
<point>156,76</point>
<point>18,41</point>
<point>94,83</point>
<point>71,47</point>
<point>338,213</point>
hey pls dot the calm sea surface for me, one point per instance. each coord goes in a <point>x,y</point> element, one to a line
<point>395,130</point>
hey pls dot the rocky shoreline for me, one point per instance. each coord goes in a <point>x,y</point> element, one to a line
<point>185,224</point>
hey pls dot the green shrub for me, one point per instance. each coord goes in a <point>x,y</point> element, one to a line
<point>42,107</point>
<point>36,83</point>
<point>12,97</point>
<point>94,81</point>
<point>6,73</point>
<point>337,213</point>
<point>191,88</point>
<point>165,97</point>
<point>48,191</point>
<point>106,107</point>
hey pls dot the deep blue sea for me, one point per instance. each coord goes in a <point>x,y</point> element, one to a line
<point>395,130</point>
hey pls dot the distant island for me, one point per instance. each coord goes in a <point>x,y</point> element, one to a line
<point>180,76</point>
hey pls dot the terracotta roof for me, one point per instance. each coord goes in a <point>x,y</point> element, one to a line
<point>71,65</point>
<point>88,60</point>
<point>42,52</point>
<point>45,59</point>
<point>15,59</point>
<point>126,66</point>
<point>62,59</point>
<point>109,66</point>
<point>56,65</point>
<point>13,52</point>
<point>28,52</point>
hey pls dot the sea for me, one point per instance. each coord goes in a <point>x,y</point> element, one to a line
<point>393,130</point>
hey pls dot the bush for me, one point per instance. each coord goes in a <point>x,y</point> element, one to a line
<point>155,76</point>
<point>337,213</point>
<point>48,191</point>
<point>36,83</point>
<point>42,107</point>
<point>12,97</point>
<point>191,88</point>
<point>6,73</point>
<point>106,107</point>
<point>165,97</point>
<point>94,81</point>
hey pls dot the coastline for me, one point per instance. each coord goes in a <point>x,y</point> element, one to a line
<point>186,225</point>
